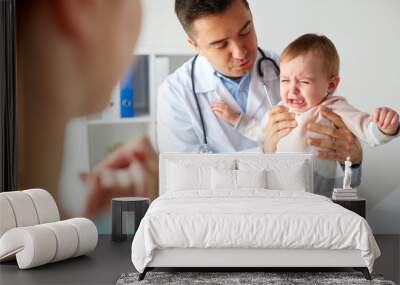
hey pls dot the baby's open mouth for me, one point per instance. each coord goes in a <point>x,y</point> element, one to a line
<point>296,103</point>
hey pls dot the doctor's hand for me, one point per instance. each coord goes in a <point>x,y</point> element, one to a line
<point>113,176</point>
<point>340,144</point>
<point>279,124</point>
<point>222,110</point>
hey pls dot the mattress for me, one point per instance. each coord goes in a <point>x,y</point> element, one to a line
<point>251,219</point>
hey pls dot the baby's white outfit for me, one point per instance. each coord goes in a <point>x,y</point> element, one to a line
<point>357,121</point>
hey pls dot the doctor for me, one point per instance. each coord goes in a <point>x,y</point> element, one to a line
<point>223,35</point>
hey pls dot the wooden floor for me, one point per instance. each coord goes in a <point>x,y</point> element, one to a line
<point>389,262</point>
<point>110,260</point>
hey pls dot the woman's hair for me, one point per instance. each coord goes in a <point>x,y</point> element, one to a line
<point>190,10</point>
<point>319,45</point>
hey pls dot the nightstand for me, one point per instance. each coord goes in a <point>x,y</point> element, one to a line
<point>122,208</point>
<point>358,206</point>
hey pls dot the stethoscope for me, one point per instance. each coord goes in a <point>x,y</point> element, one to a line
<point>270,65</point>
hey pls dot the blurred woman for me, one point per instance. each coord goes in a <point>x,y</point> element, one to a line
<point>70,55</point>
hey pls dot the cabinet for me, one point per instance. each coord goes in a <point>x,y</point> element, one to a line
<point>108,129</point>
<point>357,206</point>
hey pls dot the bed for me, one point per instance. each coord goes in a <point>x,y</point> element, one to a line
<point>247,211</point>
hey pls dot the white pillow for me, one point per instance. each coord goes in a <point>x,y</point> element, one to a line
<point>293,178</point>
<point>281,174</point>
<point>206,161</point>
<point>251,179</point>
<point>193,174</point>
<point>223,179</point>
<point>182,177</point>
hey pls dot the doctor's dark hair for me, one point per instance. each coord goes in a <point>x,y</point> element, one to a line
<point>190,10</point>
<point>319,45</point>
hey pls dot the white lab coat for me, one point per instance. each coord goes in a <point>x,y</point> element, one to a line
<point>178,124</point>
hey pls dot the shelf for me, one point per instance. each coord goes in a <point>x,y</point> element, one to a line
<point>141,119</point>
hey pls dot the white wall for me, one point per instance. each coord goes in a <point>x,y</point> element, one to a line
<point>367,36</point>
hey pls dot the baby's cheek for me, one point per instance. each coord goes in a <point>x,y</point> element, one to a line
<point>284,100</point>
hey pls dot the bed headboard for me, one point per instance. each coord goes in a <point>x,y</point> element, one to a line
<point>238,159</point>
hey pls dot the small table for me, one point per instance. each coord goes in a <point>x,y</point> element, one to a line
<point>121,208</point>
<point>358,206</point>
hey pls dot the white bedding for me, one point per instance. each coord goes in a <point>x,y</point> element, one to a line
<point>252,218</point>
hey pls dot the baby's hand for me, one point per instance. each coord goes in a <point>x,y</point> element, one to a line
<point>222,110</point>
<point>386,119</point>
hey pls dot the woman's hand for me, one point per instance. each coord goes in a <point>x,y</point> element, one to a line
<point>279,124</point>
<point>102,188</point>
<point>340,144</point>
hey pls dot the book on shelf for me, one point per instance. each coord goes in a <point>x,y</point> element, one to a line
<point>130,98</point>
<point>127,95</point>
<point>334,197</point>
<point>345,194</point>
<point>139,84</point>
<point>353,190</point>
